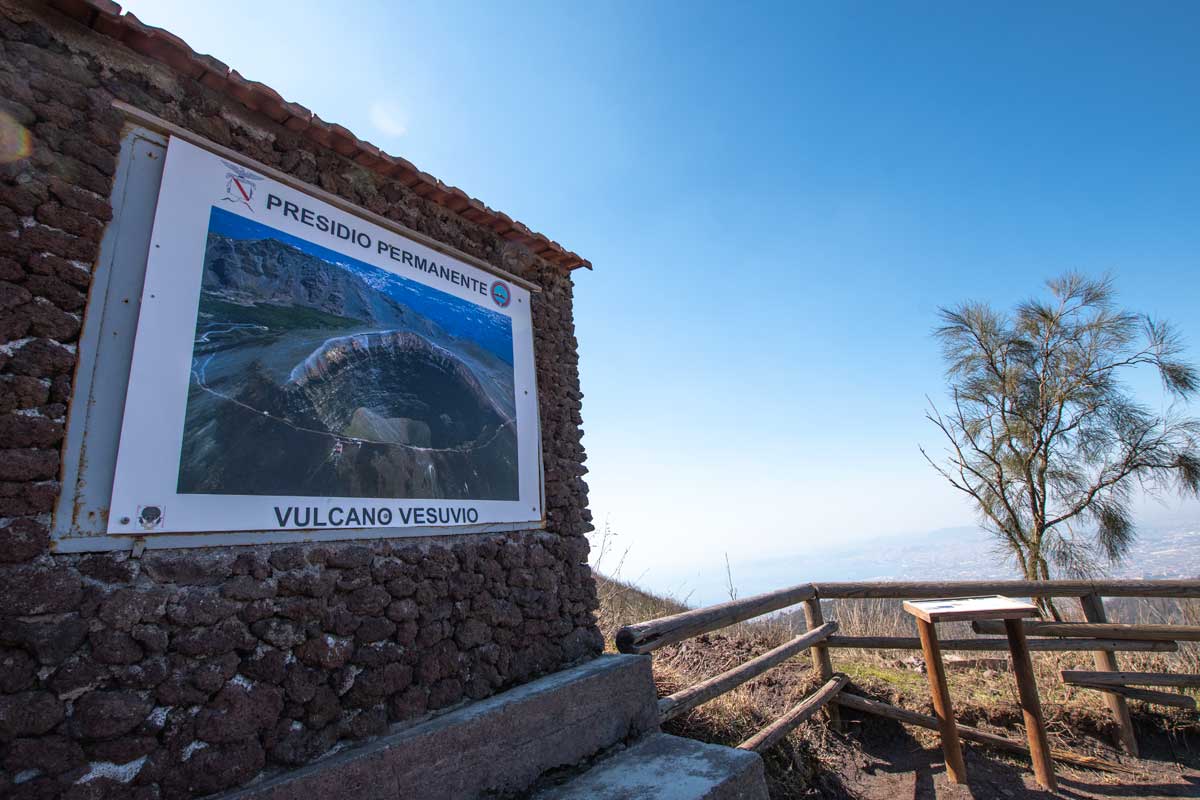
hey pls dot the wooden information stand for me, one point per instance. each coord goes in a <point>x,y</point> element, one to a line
<point>969,609</point>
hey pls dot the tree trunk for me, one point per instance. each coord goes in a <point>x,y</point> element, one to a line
<point>1046,604</point>
<point>1036,569</point>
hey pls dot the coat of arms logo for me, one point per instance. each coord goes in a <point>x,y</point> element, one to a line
<point>240,184</point>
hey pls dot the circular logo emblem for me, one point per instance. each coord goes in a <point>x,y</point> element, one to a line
<point>150,517</point>
<point>500,294</point>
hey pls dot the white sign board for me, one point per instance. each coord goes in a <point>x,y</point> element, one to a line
<point>970,608</point>
<point>297,367</point>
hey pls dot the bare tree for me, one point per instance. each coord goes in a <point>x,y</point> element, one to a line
<point>1045,436</point>
<point>730,589</point>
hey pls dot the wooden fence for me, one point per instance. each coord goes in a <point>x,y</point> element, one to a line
<point>1096,635</point>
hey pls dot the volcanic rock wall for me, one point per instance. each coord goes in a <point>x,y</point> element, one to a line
<point>185,672</point>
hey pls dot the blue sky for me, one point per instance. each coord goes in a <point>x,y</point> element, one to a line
<point>776,199</point>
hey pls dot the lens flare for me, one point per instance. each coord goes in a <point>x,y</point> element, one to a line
<point>15,141</point>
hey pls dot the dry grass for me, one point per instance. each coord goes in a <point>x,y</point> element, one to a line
<point>737,715</point>
<point>792,766</point>
<point>887,618</point>
<point>623,604</point>
<point>1160,611</point>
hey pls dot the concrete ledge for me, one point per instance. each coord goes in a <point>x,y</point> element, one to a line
<point>663,767</point>
<point>495,746</point>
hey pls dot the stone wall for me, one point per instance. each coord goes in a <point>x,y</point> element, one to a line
<point>185,672</point>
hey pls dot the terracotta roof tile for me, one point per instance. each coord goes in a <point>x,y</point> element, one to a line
<point>103,22</point>
<point>105,17</point>
<point>388,165</point>
<point>369,157</point>
<point>257,96</point>
<point>298,117</point>
<point>320,131</point>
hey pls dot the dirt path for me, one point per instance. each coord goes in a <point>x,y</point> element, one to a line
<point>881,760</point>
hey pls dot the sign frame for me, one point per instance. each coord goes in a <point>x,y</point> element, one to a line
<point>80,516</point>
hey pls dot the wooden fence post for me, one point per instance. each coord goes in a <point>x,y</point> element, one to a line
<point>820,656</point>
<point>943,706</point>
<point>1106,661</point>
<point>1031,705</point>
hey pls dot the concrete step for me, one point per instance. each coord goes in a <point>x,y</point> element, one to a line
<point>497,746</point>
<point>664,767</point>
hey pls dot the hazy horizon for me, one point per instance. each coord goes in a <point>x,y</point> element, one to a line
<point>910,555</point>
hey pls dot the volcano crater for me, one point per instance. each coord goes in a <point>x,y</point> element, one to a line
<point>394,387</point>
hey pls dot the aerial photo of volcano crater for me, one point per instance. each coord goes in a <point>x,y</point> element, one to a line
<point>317,375</point>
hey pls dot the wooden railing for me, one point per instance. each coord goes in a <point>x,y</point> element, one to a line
<point>704,691</point>
<point>1096,635</point>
